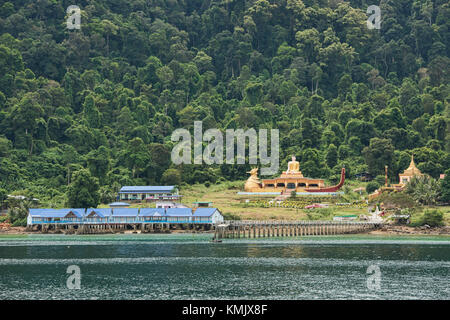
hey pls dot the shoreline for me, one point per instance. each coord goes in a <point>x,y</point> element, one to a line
<point>397,230</point>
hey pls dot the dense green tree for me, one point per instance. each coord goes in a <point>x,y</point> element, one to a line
<point>3,196</point>
<point>378,154</point>
<point>445,187</point>
<point>171,177</point>
<point>83,191</point>
<point>332,155</point>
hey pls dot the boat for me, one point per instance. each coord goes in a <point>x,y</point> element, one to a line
<point>329,189</point>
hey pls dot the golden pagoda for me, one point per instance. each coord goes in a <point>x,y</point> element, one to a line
<point>412,171</point>
<point>404,178</point>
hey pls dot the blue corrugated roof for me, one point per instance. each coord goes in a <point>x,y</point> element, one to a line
<point>150,212</point>
<point>101,212</point>
<point>125,212</point>
<point>55,213</point>
<point>204,212</point>
<point>146,189</point>
<point>176,212</point>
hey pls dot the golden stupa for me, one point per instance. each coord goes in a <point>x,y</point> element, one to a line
<point>412,171</point>
<point>404,178</point>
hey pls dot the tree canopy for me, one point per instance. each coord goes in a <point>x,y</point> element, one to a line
<point>106,98</point>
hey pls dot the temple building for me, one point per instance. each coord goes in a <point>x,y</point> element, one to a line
<point>290,180</point>
<point>404,178</point>
<point>407,175</point>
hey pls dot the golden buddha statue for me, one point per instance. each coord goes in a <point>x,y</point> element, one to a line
<point>293,169</point>
<point>293,166</point>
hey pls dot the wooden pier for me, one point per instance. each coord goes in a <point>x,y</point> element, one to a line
<point>237,229</point>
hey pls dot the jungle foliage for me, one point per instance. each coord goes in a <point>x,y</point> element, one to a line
<point>103,101</point>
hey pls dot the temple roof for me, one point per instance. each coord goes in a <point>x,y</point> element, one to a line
<point>412,169</point>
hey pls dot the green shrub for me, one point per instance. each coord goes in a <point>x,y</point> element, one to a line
<point>433,218</point>
<point>230,216</point>
<point>397,199</point>
<point>19,214</point>
<point>20,223</point>
<point>380,179</point>
<point>372,186</point>
<point>320,214</point>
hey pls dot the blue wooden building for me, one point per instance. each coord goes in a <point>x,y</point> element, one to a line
<point>93,220</point>
<point>148,193</point>
<point>55,216</point>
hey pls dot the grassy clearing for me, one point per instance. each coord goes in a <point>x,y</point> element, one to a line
<point>224,196</point>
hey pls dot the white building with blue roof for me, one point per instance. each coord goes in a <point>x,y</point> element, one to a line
<point>152,214</point>
<point>207,215</point>
<point>179,215</point>
<point>97,215</point>
<point>52,216</point>
<point>124,215</point>
<point>148,193</point>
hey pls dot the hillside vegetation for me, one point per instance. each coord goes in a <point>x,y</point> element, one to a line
<point>98,105</point>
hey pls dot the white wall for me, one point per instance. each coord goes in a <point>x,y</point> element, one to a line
<point>217,217</point>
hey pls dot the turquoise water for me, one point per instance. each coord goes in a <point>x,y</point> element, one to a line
<point>184,266</point>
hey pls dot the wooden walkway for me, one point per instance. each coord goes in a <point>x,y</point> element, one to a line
<point>267,229</point>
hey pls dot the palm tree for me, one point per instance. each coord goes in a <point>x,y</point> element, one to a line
<point>19,211</point>
<point>423,189</point>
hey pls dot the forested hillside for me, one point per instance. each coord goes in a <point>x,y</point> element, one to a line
<point>107,97</point>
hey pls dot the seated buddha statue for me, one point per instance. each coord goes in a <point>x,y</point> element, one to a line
<point>293,168</point>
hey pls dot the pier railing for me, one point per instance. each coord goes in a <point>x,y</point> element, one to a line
<point>284,228</point>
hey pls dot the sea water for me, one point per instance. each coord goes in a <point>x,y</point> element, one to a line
<point>189,266</point>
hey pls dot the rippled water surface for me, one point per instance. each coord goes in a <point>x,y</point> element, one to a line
<point>191,267</point>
